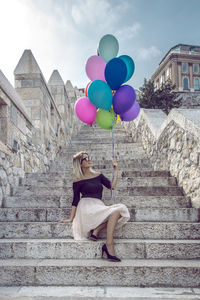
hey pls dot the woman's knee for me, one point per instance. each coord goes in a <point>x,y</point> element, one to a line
<point>116,213</point>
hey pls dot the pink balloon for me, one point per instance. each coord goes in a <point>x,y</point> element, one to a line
<point>95,68</point>
<point>85,110</point>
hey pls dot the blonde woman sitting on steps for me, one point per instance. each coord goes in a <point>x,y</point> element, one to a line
<point>89,214</point>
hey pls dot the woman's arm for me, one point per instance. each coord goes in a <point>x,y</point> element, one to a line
<point>72,215</point>
<point>114,182</point>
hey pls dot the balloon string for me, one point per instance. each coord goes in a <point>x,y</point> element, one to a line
<point>113,157</point>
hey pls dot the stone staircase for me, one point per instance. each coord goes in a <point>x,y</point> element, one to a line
<point>159,247</point>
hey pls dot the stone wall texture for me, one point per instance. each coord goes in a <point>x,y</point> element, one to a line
<point>172,143</point>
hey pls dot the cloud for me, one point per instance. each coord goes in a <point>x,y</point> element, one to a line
<point>45,29</point>
<point>99,16</point>
<point>61,34</point>
<point>148,53</point>
<point>129,32</point>
<point>93,18</point>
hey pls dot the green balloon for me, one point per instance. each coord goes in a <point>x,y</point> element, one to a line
<point>106,119</point>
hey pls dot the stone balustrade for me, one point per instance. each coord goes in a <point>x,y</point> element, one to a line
<point>36,120</point>
<point>172,143</point>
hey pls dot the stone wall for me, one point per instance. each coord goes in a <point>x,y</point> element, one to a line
<point>190,99</point>
<point>172,143</point>
<point>36,121</point>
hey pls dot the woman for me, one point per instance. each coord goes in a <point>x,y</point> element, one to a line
<point>89,214</point>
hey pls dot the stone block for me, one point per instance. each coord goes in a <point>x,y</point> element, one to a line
<point>27,166</point>
<point>3,178</point>
<point>87,272</point>
<point>17,162</point>
<point>36,113</point>
<point>10,276</point>
<point>131,230</point>
<point>27,83</point>
<point>1,197</point>
<point>21,123</point>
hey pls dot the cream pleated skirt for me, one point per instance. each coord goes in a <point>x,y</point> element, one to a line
<point>91,212</point>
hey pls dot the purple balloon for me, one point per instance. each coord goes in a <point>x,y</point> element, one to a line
<point>95,68</point>
<point>132,113</point>
<point>123,99</point>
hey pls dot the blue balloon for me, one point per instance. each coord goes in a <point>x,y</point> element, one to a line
<point>115,73</point>
<point>100,94</point>
<point>129,65</point>
<point>108,47</point>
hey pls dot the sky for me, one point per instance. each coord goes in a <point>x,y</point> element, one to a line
<point>63,34</point>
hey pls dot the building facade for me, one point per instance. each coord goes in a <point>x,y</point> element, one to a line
<point>182,65</point>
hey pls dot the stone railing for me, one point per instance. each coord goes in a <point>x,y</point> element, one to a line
<point>172,143</point>
<point>21,148</point>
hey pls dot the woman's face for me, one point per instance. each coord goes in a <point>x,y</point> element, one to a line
<point>86,161</point>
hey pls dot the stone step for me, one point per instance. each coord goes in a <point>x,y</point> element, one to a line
<point>99,140</point>
<point>134,163</point>
<point>128,249</point>
<point>146,214</point>
<point>98,130</point>
<point>97,292</point>
<point>30,191</point>
<point>124,174</point>
<point>105,157</point>
<point>122,182</point>
<point>64,177</point>
<point>66,200</point>
<point>86,272</point>
<point>139,164</point>
<point>102,137</point>
<point>95,149</point>
<point>98,146</point>
<point>131,230</point>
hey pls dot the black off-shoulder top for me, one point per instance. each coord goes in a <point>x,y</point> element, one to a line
<point>92,187</point>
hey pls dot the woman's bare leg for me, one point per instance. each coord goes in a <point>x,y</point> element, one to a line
<point>99,228</point>
<point>111,224</point>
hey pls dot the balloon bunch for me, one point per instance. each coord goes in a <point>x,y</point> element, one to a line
<point>107,99</point>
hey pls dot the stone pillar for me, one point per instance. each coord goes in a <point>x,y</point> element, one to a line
<point>191,78</point>
<point>70,91</point>
<point>180,84</point>
<point>57,88</point>
<point>33,89</point>
<point>175,73</point>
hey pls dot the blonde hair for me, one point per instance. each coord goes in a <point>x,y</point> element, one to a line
<point>78,174</point>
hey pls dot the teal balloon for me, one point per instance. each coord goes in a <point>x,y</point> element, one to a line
<point>100,94</point>
<point>130,65</point>
<point>108,47</point>
<point>106,119</point>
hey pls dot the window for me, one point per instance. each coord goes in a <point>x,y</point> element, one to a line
<point>161,80</point>
<point>196,84</point>
<point>196,68</point>
<point>167,73</point>
<point>185,83</point>
<point>184,67</point>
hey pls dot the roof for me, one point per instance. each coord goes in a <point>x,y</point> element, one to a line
<point>56,79</point>
<point>190,48</point>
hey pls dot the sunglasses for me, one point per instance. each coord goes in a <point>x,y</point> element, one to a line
<point>86,158</point>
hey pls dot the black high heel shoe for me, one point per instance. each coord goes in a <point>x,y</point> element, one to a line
<point>92,236</point>
<point>109,257</point>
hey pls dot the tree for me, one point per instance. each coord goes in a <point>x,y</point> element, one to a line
<point>163,98</point>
